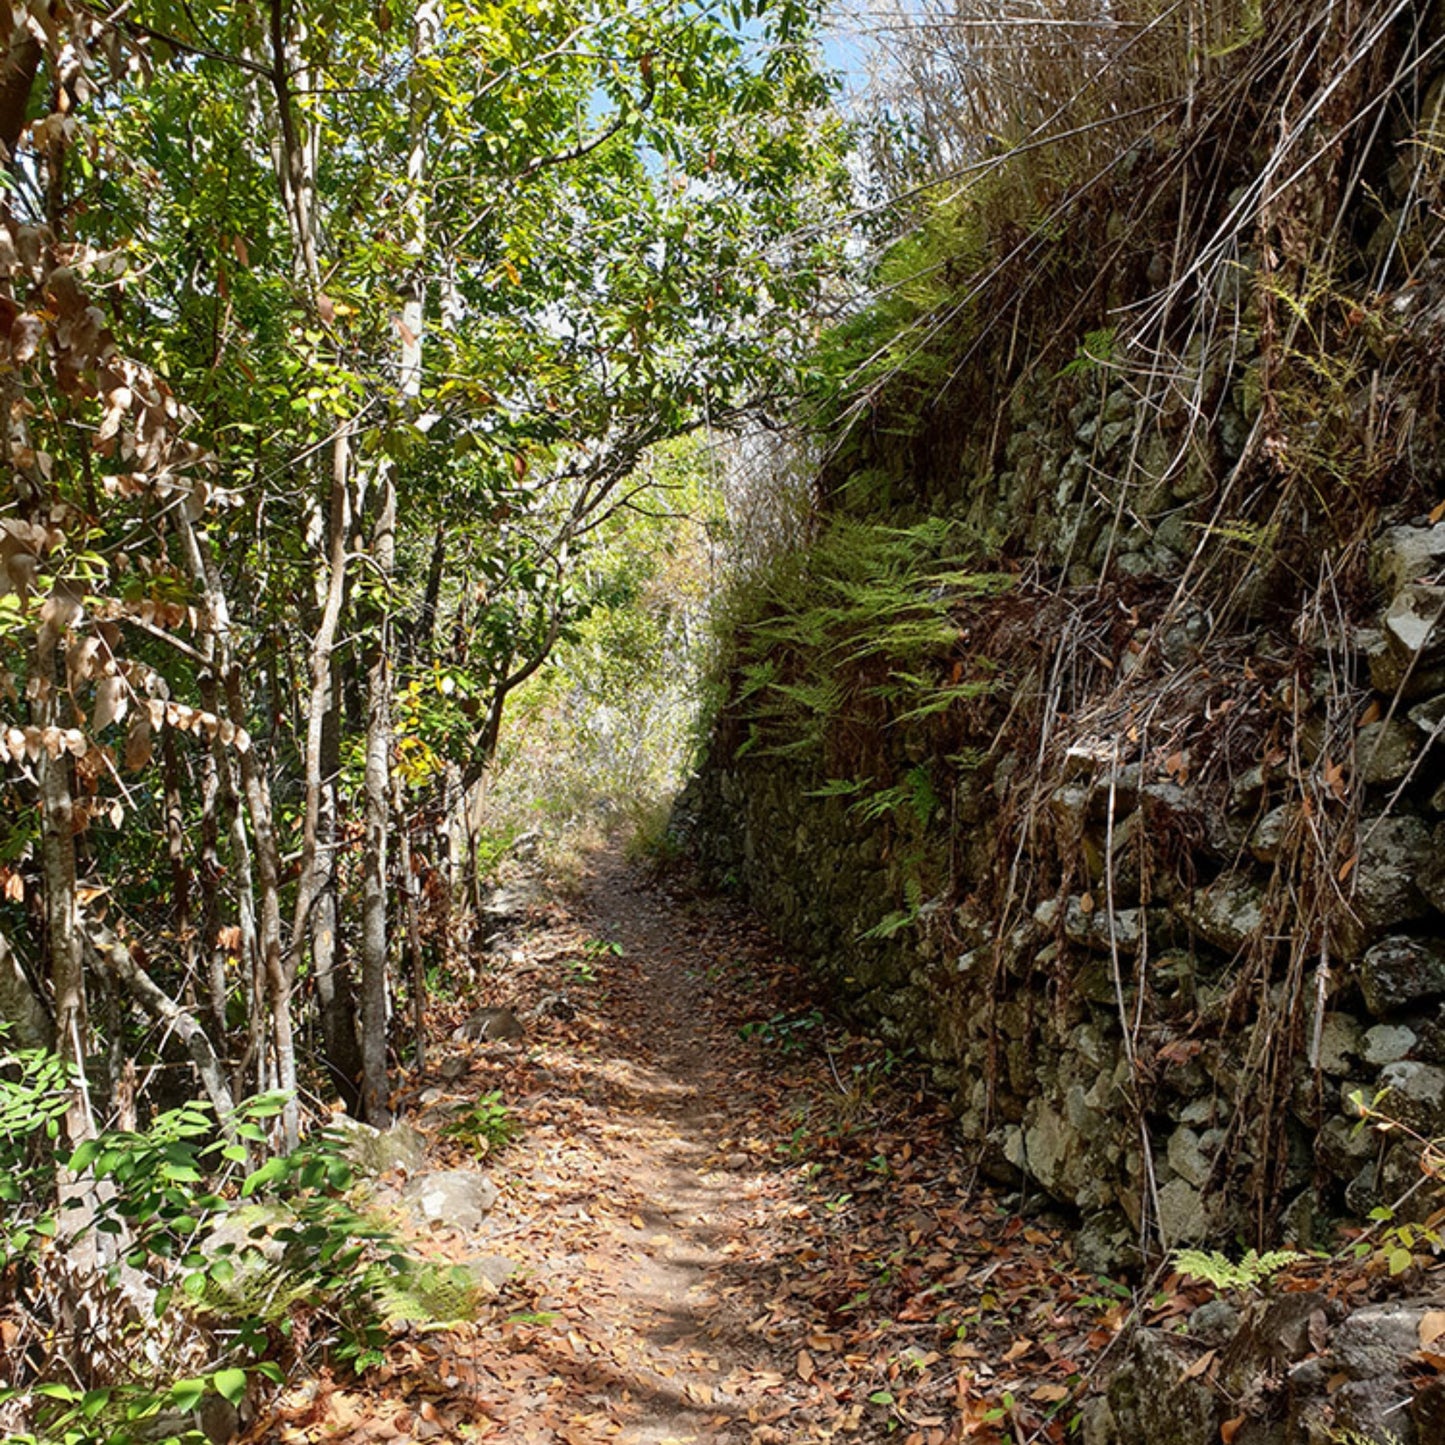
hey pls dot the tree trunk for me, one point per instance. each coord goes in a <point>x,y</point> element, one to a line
<point>20,1006</point>
<point>373,904</point>
<point>335,997</point>
<point>374,942</point>
<point>257,795</point>
<point>62,924</point>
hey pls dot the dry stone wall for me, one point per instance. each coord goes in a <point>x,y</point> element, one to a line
<point>1146,1115</point>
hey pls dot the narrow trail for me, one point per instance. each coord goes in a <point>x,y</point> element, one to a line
<point>647,1173</point>
<point>732,1223</point>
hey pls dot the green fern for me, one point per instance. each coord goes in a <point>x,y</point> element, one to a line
<point>1250,1273</point>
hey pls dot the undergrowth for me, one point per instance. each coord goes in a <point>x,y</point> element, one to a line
<point>220,1274</point>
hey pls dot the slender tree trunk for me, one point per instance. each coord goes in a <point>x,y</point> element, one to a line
<point>62,923</point>
<point>335,997</point>
<point>321,703</point>
<point>257,795</point>
<point>176,851</point>
<point>20,1006</point>
<point>377,822</point>
<point>406,867</point>
<point>213,954</point>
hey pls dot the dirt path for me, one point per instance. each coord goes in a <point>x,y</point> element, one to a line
<point>732,1222</point>
<point>646,1166</point>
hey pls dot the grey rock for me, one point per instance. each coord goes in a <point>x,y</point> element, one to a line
<point>1111,435</point>
<point>1153,1400</point>
<point>1341,1042</point>
<point>1386,751</point>
<point>1215,1322</point>
<point>1303,1224</point>
<point>1401,971</point>
<point>1388,1043</point>
<point>1374,1410</point>
<point>1416,1096</point>
<point>1395,672</point>
<point>1372,1342</point>
<point>373,1152</point>
<point>491,1271</point>
<point>453,1198</point>
<point>249,1231</point>
<point>1432,872</point>
<point>1361,1195</point>
<point>1187,1159</point>
<point>1401,555</point>
<point>1107,1244</point>
<point>1267,836</point>
<point>1182,1215</point>
<point>1097,1423</point>
<point>1429,716</point>
<point>1393,853</point>
<point>1343,1146</point>
<point>1118,405</point>
<point>487,1025</point>
<point>1227,913</point>
<point>1412,623</point>
<point>1246,790</point>
<point>1091,928</point>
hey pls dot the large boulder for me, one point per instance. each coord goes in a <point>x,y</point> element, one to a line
<point>1153,1397</point>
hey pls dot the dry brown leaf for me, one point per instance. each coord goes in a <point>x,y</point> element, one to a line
<point>1200,1365</point>
<point>1432,1326</point>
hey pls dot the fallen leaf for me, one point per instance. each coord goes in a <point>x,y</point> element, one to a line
<point>1200,1365</point>
<point>1432,1326</point>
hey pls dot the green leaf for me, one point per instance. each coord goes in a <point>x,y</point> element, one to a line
<point>230,1385</point>
<point>188,1394</point>
<point>52,1390</point>
<point>1400,1260</point>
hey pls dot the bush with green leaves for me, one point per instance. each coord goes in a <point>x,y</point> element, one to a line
<point>485,1127</point>
<point>228,1261</point>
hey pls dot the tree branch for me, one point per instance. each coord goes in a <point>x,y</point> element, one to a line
<point>115,958</point>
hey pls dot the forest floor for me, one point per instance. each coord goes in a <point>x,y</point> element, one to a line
<point>732,1222</point>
